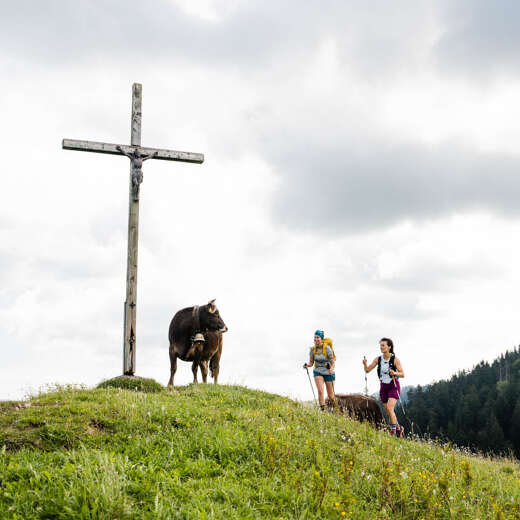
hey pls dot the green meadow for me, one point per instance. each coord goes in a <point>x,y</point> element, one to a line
<point>207,451</point>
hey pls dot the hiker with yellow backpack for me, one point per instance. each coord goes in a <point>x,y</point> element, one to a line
<point>322,357</point>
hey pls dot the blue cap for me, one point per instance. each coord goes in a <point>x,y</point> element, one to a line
<point>320,333</point>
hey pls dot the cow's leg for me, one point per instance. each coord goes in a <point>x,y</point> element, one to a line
<point>214,366</point>
<point>214,362</point>
<point>203,364</point>
<point>173,364</point>
<point>194,367</point>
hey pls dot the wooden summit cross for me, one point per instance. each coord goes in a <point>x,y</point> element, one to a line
<point>137,155</point>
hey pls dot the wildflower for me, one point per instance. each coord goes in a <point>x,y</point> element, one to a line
<point>343,513</point>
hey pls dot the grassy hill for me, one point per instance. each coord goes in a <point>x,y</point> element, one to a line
<point>229,452</point>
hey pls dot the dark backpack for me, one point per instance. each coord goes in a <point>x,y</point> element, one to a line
<point>392,365</point>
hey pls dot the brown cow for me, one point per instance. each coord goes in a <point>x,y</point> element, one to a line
<point>187,325</point>
<point>360,407</point>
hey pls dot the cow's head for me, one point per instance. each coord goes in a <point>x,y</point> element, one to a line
<point>210,318</point>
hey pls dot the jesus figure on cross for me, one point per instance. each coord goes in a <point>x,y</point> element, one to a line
<point>137,163</point>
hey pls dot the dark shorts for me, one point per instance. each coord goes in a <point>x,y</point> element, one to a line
<point>328,378</point>
<point>389,390</point>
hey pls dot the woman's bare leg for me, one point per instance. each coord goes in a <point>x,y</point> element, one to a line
<point>320,386</point>
<point>330,390</point>
<point>390,405</point>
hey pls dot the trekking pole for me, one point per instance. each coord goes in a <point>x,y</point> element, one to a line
<point>366,382</point>
<point>328,368</point>
<point>399,396</point>
<point>401,403</point>
<point>310,382</point>
<point>334,404</point>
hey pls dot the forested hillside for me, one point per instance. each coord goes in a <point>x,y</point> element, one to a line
<point>479,408</point>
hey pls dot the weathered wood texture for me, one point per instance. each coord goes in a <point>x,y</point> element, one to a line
<point>165,155</point>
<point>135,125</point>
<point>130,326</point>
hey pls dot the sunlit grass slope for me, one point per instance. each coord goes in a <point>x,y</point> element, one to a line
<point>229,452</point>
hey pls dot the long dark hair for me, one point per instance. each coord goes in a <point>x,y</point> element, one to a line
<point>389,342</point>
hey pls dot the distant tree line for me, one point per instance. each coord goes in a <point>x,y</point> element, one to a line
<point>479,409</point>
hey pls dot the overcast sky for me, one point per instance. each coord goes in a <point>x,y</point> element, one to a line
<point>361,175</point>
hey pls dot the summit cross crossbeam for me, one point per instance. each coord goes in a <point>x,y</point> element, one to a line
<point>137,156</point>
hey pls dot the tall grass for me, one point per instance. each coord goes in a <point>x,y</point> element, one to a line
<point>206,451</point>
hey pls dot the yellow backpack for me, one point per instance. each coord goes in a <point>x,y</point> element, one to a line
<point>327,342</point>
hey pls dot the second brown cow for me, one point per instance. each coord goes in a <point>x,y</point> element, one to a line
<point>360,407</point>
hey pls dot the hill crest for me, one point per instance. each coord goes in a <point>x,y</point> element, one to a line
<point>206,451</point>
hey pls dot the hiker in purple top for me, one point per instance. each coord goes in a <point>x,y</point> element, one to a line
<point>389,369</point>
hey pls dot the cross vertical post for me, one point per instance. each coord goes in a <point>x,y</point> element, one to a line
<point>129,340</point>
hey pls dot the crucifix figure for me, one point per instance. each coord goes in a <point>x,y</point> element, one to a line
<point>137,163</point>
<point>137,156</point>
